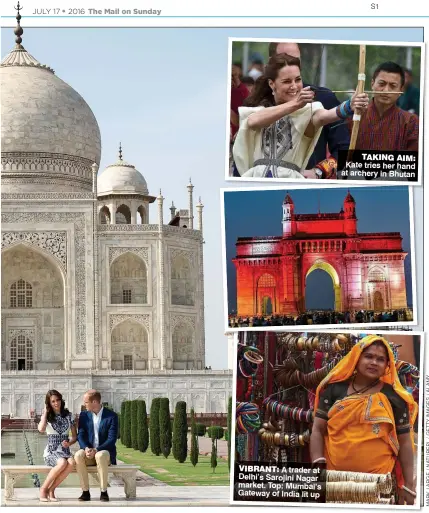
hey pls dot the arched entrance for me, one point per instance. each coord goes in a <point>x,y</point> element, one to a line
<point>378,301</point>
<point>335,280</point>
<point>267,306</point>
<point>33,302</point>
<point>266,294</point>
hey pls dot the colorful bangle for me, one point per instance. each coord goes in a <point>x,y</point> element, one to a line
<point>344,110</point>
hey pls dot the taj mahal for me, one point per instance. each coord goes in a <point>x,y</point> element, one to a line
<point>99,290</point>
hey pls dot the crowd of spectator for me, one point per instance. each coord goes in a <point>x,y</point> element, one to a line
<point>322,317</point>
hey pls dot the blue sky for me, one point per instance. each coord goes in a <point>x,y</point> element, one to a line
<point>259,213</point>
<point>163,93</point>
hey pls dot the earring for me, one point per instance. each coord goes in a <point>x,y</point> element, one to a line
<point>273,92</point>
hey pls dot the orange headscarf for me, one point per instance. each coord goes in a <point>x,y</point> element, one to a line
<point>345,368</point>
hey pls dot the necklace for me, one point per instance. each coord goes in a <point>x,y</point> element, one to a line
<point>364,389</point>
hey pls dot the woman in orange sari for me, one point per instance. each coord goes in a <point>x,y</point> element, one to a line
<point>364,417</point>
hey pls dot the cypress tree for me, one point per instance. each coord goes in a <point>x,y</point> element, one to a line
<point>180,432</point>
<point>213,459</point>
<point>155,446</point>
<point>165,426</point>
<point>121,425</point>
<point>142,429</point>
<point>194,440</point>
<point>229,431</point>
<point>127,425</point>
<point>134,425</point>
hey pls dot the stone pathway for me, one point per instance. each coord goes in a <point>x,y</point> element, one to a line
<point>147,496</point>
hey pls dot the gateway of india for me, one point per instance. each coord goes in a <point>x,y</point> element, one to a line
<point>98,290</point>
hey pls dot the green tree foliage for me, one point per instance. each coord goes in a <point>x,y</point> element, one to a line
<point>142,427</point>
<point>194,440</point>
<point>165,426</point>
<point>134,425</point>
<point>180,432</point>
<point>200,429</point>
<point>213,459</point>
<point>127,425</point>
<point>215,432</point>
<point>121,425</point>
<point>155,446</point>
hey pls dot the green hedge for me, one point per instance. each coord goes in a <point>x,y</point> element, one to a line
<point>127,425</point>
<point>165,426</point>
<point>200,429</point>
<point>121,425</point>
<point>155,445</point>
<point>194,439</point>
<point>215,432</point>
<point>142,427</point>
<point>180,432</point>
<point>134,425</point>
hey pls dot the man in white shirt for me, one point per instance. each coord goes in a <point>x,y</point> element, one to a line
<point>97,435</point>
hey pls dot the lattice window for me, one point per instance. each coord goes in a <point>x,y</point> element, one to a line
<point>126,296</point>
<point>21,295</point>
<point>267,280</point>
<point>21,353</point>
<point>128,362</point>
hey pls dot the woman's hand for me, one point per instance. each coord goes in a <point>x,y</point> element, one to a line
<point>359,101</point>
<point>66,444</point>
<point>306,95</point>
<point>406,497</point>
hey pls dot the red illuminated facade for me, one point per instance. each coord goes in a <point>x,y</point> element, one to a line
<point>367,269</point>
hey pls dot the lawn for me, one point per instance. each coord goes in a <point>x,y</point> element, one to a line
<point>172,472</point>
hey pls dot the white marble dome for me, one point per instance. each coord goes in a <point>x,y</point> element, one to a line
<point>49,135</point>
<point>121,178</point>
<point>42,113</point>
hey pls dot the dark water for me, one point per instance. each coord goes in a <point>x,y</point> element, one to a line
<point>13,441</point>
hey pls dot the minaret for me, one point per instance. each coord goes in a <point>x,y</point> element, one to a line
<point>97,352</point>
<point>201,347</point>
<point>161,290</point>
<point>289,222</point>
<point>173,210</point>
<point>200,207</point>
<point>350,219</point>
<point>191,206</point>
<point>94,168</point>
<point>160,200</point>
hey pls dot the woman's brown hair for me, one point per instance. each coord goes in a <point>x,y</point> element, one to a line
<point>50,412</point>
<point>262,94</point>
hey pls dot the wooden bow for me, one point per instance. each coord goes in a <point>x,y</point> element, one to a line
<point>360,89</point>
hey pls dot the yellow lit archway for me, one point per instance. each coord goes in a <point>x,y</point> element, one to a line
<point>320,264</point>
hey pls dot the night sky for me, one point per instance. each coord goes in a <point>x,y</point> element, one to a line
<point>259,213</point>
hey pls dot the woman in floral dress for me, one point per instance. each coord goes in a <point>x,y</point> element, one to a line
<point>56,422</point>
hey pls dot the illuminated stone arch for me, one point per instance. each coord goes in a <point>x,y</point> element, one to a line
<point>266,294</point>
<point>330,269</point>
<point>377,289</point>
<point>128,280</point>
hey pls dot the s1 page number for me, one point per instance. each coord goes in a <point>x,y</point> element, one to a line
<point>374,6</point>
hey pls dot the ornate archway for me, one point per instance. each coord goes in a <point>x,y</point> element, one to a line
<point>359,264</point>
<point>330,270</point>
